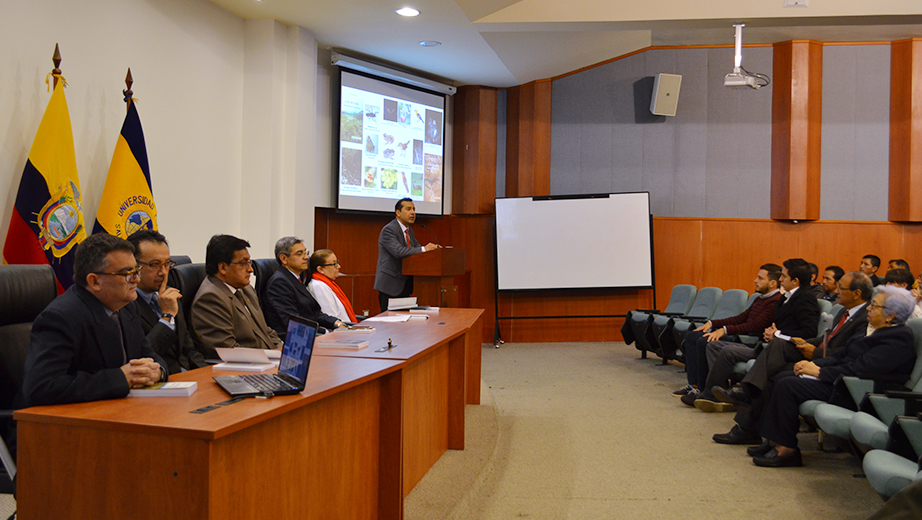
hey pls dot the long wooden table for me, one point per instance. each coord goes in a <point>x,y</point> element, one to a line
<point>346,447</point>
<point>440,374</point>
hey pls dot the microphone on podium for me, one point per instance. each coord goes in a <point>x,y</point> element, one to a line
<point>433,234</point>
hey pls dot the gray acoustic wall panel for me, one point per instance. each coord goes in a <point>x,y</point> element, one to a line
<point>711,160</point>
<point>856,132</point>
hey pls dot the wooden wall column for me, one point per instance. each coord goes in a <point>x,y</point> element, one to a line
<point>797,116</point>
<point>906,131</point>
<point>528,139</point>
<point>474,157</point>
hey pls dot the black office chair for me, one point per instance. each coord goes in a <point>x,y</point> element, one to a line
<point>188,278</point>
<point>264,268</point>
<point>173,277</point>
<point>25,290</point>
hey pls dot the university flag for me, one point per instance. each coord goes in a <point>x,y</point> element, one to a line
<point>127,203</point>
<point>47,220</point>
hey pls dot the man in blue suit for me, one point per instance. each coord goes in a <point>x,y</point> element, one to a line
<point>286,294</point>
<point>396,242</point>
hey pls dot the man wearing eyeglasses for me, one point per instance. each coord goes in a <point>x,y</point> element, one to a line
<point>87,345</point>
<point>158,304</point>
<point>226,311</point>
<point>286,294</point>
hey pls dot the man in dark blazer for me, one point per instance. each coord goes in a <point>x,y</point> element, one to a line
<point>396,242</point>
<point>286,294</point>
<point>86,345</point>
<point>158,306</point>
<point>854,290</point>
<point>226,311</point>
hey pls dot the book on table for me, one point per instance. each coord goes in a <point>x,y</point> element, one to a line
<point>332,341</point>
<point>355,329</point>
<point>169,389</point>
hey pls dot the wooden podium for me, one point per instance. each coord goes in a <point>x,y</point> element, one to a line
<point>434,275</point>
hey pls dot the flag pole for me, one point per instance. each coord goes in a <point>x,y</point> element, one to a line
<point>56,59</point>
<point>127,92</point>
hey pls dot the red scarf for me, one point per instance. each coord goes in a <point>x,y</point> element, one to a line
<point>338,292</point>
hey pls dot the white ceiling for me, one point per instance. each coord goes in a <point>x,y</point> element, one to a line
<point>503,43</point>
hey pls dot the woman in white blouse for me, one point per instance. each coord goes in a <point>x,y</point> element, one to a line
<point>324,269</point>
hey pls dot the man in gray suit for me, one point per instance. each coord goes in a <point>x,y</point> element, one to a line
<point>395,242</point>
<point>226,311</point>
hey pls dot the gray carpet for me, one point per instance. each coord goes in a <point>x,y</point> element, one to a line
<point>589,431</point>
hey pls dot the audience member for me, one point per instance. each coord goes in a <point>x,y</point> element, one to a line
<point>324,270</point>
<point>86,346</point>
<point>815,286</point>
<point>888,352</point>
<point>796,315</point>
<point>226,311</point>
<point>755,319</point>
<point>850,324</point>
<point>396,242</point>
<point>869,266</point>
<point>286,294</point>
<point>158,304</point>
<point>898,263</point>
<point>831,276</point>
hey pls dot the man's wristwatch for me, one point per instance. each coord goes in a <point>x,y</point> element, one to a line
<point>168,317</point>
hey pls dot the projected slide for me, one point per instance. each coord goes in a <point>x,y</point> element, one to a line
<point>391,146</point>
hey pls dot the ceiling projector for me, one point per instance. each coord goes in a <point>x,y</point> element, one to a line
<point>740,80</point>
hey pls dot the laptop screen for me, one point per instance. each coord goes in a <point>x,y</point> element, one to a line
<point>299,343</point>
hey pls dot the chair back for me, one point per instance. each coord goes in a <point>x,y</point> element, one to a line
<point>751,299</point>
<point>705,302</point>
<point>25,291</point>
<point>264,268</point>
<point>188,279</point>
<point>914,382</point>
<point>181,259</point>
<point>681,299</point>
<point>825,320</point>
<point>732,302</point>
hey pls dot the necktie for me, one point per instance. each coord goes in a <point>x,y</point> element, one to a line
<point>155,303</point>
<point>121,340</point>
<point>836,330</point>
<point>243,299</point>
<point>407,233</point>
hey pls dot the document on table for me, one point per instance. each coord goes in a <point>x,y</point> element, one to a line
<point>390,319</point>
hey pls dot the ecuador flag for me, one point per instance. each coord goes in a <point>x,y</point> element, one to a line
<point>47,220</point>
<point>127,203</point>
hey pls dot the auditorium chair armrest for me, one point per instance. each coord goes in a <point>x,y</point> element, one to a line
<point>648,311</point>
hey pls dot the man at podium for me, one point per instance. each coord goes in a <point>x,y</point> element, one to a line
<point>396,242</point>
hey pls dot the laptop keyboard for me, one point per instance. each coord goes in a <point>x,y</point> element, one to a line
<point>266,382</point>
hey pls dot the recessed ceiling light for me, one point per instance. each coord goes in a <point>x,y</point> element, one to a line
<point>407,11</point>
<point>429,43</point>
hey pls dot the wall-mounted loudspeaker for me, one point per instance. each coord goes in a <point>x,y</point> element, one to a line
<point>665,94</point>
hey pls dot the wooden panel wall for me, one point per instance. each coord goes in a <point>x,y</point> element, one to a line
<point>797,117</point>
<point>528,140</point>
<point>906,131</point>
<point>474,158</point>
<point>721,252</point>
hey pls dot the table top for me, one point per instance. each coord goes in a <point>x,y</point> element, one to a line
<point>412,338</point>
<point>172,415</point>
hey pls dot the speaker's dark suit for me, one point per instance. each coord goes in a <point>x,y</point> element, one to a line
<point>392,249</point>
<point>798,315</point>
<point>174,346</point>
<point>287,296</point>
<point>75,353</point>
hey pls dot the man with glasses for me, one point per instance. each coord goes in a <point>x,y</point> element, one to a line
<point>395,243</point>
<point>226,311</point>
<point>158,304</point>
<point>87,345</point>
<point>286,293</point>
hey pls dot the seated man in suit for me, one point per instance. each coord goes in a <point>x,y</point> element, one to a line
<point>831,277</point>
<point>86,345</point>
<point>226,311</point>
<point>286,293</point>
<point>158,304</point>
<point>797,314</point>
<point>854,291</point>
<point>395,243</point>
<point>869,266</point>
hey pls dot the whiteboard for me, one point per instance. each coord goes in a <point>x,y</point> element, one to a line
<point>579,241</point>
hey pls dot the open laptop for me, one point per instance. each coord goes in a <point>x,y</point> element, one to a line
<point>292,373</point>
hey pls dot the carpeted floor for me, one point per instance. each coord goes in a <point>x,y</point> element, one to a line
<point>589,431</point>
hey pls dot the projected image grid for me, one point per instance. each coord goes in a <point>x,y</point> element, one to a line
<point>390,148</point>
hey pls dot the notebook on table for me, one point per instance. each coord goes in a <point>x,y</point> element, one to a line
<point>292,373</point>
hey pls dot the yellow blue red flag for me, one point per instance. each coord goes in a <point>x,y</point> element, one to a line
<point>47,221</point>
<point>127,203</point>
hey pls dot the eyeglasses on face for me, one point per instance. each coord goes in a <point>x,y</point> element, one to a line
<point>157,265</point>
<point>245,263</point>
<point>128,275</point>
<point>336,263</point>
<point>298,253</point>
